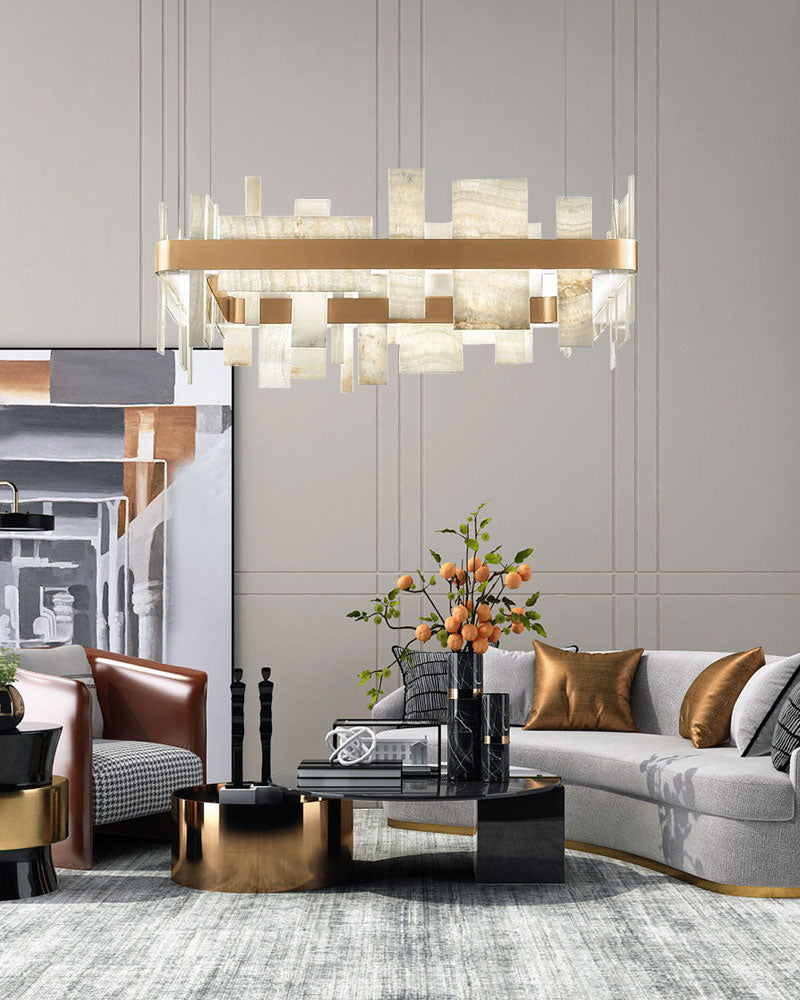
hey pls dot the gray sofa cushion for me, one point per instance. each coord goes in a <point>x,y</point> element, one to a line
<point>132,779</point>
<point>511,671</point>
<point>667,769</point>
<point>758,706</point>
<point>66,661</point>
<point>663,678</point>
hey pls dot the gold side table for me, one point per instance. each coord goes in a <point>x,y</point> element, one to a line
<point>301,842</point>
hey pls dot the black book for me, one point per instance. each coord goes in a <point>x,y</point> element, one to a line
<point>371,770</point>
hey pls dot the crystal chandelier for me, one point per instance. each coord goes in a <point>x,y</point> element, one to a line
<point>431,288</point>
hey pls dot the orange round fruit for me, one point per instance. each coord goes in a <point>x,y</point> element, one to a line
<point>461,576</point>
<point>452,624</point>
<point>460,613</point>
<point>496,633</point>
<point>469,605</point>
<point>513,580</point>
<point>525,571</point>
<point>454,642</point>
<point>518,611</point>
<point>405,582</point>
<point>485,630</point>
<point>484,612</point>
<point>480,645</point>
<point>423,632</point>
<point>517,627</point>
<point>482,574</point>
<point>447,570</point>
<point>469,632</point>
<point>474,563</point>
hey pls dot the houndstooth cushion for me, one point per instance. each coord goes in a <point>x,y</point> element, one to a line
<point>137,779</point>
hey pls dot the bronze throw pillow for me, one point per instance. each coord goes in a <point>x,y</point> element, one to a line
<point>708,704</point>
<point>583,690</point>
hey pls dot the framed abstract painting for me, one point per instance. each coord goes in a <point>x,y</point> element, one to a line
<point>136,466</point>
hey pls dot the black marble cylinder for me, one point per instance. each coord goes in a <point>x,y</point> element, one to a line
<point>495,729</point>
<point>465,688</point>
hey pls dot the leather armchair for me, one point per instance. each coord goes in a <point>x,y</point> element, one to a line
<point>141,700</point>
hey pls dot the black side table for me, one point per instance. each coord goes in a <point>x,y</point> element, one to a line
<point>33,810</point>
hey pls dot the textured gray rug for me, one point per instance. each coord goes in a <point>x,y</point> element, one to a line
<point>408,928</point>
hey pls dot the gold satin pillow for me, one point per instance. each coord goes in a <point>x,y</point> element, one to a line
<point>583,690</point>
<point>708,704</point>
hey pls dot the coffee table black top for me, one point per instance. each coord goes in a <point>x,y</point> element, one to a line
<point>26,754</point>
<point>432,788</point>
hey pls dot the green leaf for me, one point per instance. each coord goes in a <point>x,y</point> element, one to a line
<point>378,608</point>
<point>387,671</point>
<point>522,555</point>
<point>447,531</point>
<point>464,529</point>
<point>532,600</point>
<point>432,581</point>
<point>485,521</point>
<point>451,596</point>
<point>493,558</point>
<point>353,614</point>
<point>508,603</point>
<point>392,595</point>
<point>480,507</point>
<point>472,543</point>
<point>538,628</point>
<point>377,619</point>
<point>485,536</point>
<point>481,587</point>
<point>435,555</point>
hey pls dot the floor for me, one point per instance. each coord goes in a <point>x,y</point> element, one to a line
<point>412,925</point>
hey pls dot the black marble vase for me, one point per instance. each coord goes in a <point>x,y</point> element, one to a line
<point>495,729</point>
<point>465,688</point>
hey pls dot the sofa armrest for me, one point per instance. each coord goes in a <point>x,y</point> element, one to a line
<point>151,702</point>
<point>390,707</point>
<point>67,703</point>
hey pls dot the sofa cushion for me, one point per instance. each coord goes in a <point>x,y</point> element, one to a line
<point>758,706</point>
<point>511,671</point>
<point>786,736</point>
<point>425,684</point>
<point>66,661</point>
<point>132,779</point>
<point>669,769</point>
<point>663,678</point>
<point>707,706</point>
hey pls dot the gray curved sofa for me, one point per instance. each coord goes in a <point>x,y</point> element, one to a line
<point>725,822</point>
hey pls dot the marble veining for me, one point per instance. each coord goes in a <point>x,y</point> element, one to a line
<point>429,348</point>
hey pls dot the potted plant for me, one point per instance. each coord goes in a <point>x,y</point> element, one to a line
<point>477,612</point>
<point>12,707</point>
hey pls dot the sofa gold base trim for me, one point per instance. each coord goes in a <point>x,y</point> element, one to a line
<point>458,831</point>
<point>724,888</point>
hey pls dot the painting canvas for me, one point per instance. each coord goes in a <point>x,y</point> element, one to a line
<point>136,467</point>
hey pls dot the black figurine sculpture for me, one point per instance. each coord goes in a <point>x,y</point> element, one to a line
<point>265,696</point>
<point>237,728</point>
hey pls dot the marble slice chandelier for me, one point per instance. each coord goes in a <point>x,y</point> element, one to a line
<point>487,277</point>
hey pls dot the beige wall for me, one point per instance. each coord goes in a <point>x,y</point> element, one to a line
<point>662,500</point>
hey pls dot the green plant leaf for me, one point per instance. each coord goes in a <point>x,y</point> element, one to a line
<point>538,628</point>
<point>464,529</point>
<point>435,555</point>
<point>377,619</point>
<point>432,581</point>
<point>472,543</point>
<point>522,555</point>
<point>532,600</point>
<point>481,587</point>
<point>485,521</point>
<point>387,671</point>
<point>493,558</point>
<point>447,531</point>
<point>392,595</point>
<point>485,536</point>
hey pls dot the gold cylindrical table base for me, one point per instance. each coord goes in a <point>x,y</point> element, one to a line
<point>298,843</point>
<point>34,817</point>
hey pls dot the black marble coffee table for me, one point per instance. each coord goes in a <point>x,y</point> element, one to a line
<point>520,823</point>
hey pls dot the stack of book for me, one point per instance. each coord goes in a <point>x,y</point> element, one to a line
<point>374,776</point>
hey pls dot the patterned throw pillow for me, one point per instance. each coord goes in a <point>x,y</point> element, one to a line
<point>786,736</point>
<point>425,678</point>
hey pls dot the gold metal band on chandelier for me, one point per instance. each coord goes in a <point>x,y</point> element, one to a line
<point>438,309</point>
<point>371,254</point>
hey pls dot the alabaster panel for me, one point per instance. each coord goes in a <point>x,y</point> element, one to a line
<point>346,380</point>
<point>312,207</point>
<point>491,300</point>
<point>309,319</point>
<point>513,347</point>
<point>490,208</point>
<point>407,294</point>
<point>337,340</point>
<point>308,362</point>
<point>575,326</point>
<point>285,227</point>
<point>252,196</point>
<point>373,354</point>
<point>237,344</point>
<point>406,203</point>
<point>429,348</point>
<point>274,356</point>
<point>277,281</point>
